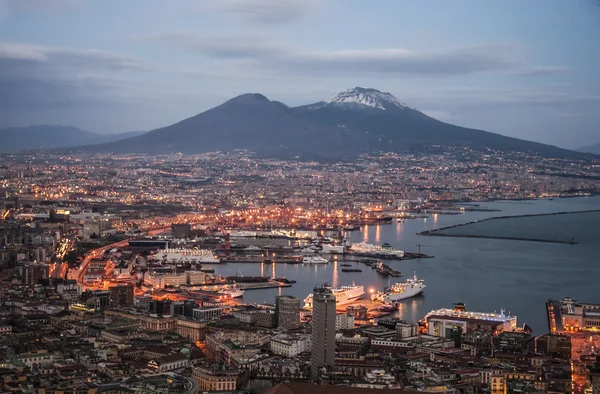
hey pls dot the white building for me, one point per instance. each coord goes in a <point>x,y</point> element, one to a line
<point>247,317</point>
<point>344,321</point>
<point>170,363</point>
<point>406,329</point>
<point>160,281</point>
<point>289,345</point>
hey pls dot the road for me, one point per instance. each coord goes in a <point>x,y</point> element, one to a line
<point>79,274</point>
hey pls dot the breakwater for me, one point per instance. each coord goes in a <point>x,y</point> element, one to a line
<point>441,231</point>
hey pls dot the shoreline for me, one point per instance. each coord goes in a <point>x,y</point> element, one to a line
<point>437,232</point>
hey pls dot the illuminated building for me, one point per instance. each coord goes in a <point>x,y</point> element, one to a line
<point>570,315</point>
<point>216,379</point>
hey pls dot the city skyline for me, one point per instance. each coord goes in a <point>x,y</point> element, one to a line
<point>520,69</point>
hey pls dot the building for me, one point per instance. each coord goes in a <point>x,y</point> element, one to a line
<point>290,345</point>
<point>287,309</point>
<point>266,319</point>
<point>121,295</point>
<point>554,345</point>
<point>207,313</point>
<point>406,329</point>
<point>570,315</point>
<point>215,379</point>
<point>344,321</point>
<point>169,363</point>
<point>181,230</point>
<point>32,273</point>
<point>323,331</point>
<point>514,342</point>
<point>193,330</point>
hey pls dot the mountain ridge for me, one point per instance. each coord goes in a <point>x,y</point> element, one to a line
<point>594,148</point>
<point>350,123</point>
<point>54,136</point>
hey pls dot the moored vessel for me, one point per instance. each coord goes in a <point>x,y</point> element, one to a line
<point>343,295</point>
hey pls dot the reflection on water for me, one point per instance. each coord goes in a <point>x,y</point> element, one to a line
<point>262,269</point>
<point>485,274</point>
<point>378,234</point>
<point>273,270</point>
<point>336,278</point>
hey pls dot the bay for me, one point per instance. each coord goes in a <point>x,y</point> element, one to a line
<point>485,274</point>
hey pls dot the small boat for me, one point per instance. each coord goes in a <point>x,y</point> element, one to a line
<point>351,270</point>
<point>345,265</point>
<point>314,260</point>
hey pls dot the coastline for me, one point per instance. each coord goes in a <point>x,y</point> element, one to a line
<point>438,232</point>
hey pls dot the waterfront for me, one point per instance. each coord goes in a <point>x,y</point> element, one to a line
<point>486,274</point>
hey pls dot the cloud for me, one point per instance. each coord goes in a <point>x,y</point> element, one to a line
<point>265,54</point>
<point>35,77</point>
<point>534,96</point>
<point>266,11</point>
<point>89,58</point>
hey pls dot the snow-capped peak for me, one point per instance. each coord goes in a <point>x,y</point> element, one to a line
<point>362,97</point>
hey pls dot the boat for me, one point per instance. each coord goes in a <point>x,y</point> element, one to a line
<point>232,292</point>
<point>387,270</point>
<point>366,249</point>
<point>345,265</point>
<point>333,249</point>
<point>351,270</point>
<point>343,295</point>
<point>314,260</point>
<point>400,291</point>
<point>180,255</point>
<point>252,247</point>
<point>284,280</point>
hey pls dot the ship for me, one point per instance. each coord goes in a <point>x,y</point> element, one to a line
<point>400,291</point>
<point>179,255</point>
<point>314,260</point>
<point>343,295</point>
<point>366,249</point>
<point>232,292</point>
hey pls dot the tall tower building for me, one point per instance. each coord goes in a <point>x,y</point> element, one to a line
<point>287,309</point>
<point>323,331</point>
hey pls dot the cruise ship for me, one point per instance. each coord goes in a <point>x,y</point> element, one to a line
<point>194,255</point>
<point>439,321</point>
<point>343,295</point>
<point>367,249</point>
<point>400,291</point>
<point>314,260</point>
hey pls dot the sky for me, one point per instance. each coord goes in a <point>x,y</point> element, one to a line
<point>526,69</point>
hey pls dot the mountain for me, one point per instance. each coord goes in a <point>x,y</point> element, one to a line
<point>49,137</point>
<point>355,121</point>
<point>595,149</point>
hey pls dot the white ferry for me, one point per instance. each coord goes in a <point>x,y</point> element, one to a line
<point>314,260</point>
<point>343,295</point>
<point>376,250</point>
<point>232,292</point>
<point>178,255</point>
<point>400,291</point>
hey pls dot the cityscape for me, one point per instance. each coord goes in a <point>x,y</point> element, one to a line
<point>166,228</point>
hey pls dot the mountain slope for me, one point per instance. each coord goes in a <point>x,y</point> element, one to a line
<point>355,121</point>
<point>595,149</point>
<point>49,137</point>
